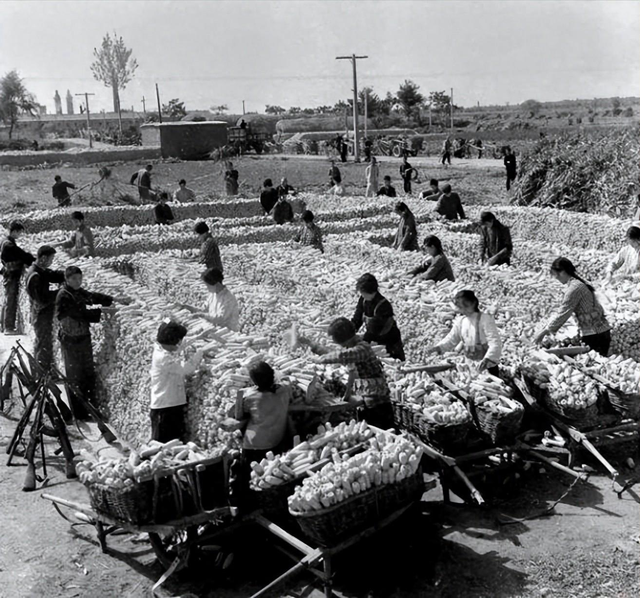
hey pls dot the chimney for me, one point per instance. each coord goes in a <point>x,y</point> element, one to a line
<point>69,102</point>
<point>58,103</point>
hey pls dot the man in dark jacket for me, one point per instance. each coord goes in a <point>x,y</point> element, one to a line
<point>60,191</point>
<point>282,212</point>
<point>449,204</point>
<point>496,246</point>
<point>268,197</point>
<point>387,189</point>
<point>75,313</point>
<point>406,172</point>
<point>39,279</point>
<point>142,179</point>
<point>162,213</point>
<point>376,313</point>
<point>13,261</point>
<point>510,165</point>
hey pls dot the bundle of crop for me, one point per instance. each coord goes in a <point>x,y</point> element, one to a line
<point>581,173</point>
<point>622,373</point>
<point>60,218</point>
<point>389,460</point>
<point>327,445</point>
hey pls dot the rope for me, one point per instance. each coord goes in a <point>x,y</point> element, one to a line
<point>512,520</point>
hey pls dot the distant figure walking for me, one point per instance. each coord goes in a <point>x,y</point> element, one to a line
<point>334,174</point>
<point>406,172</point>
<point>60,191</point>
<point>231,176</point>
<point>446,151</point>
<point>142,179</point>
<point>372,173</point>
<point>510,165</point>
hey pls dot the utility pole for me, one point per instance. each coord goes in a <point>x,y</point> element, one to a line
<point>86,103</point>
<point>159,107</point>
<point>366,110</point>
<point>243,112</point>
<point>144,105</point>
<point>353,58</point>
<point>451,103</point>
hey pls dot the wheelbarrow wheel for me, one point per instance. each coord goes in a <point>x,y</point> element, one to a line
<point>168,548</point>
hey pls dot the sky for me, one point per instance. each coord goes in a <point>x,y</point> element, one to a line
<point>208,53</point>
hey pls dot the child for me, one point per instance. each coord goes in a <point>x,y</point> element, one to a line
<point>168,370</point>
<point>266,408</point>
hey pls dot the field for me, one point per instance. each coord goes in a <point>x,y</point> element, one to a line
<point>588,547</point>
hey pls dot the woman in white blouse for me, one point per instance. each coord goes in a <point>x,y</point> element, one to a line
<point>627,261</point>
<point>476,331</point>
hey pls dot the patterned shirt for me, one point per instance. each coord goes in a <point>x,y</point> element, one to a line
<point>210,253</point>
<point>311,236</point>
<point>370,382</point>
<point>581,302</point>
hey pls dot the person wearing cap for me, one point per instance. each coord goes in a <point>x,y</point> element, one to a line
<point>387,189</point>
<point>222,305</point>
<point>282,211</point>
<point>80,243</point>
<point>169,367</point>
<point>162,213</point>
<point>476,331</point>
<point>183,194</point>
<point>376,313</point>
<point>209,250</point>
<point>627,261</point>
<point>14,260</point>
<point>60,191</point>
<point>407,234</point>
<point>449,204</point>
<point>38,282</point>
<point>367,387</point>
<point>268,196</point>
<point>310,234</point>
<point>75,311</point>
<point>495,238</point>
<point>142,180</point>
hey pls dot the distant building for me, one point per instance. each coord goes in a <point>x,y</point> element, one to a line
<point>69,102</point>
<point>58,102</point>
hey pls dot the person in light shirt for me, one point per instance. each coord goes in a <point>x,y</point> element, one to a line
<point>476,330</point>
<point>627,261</point>
<point>183,194</point>
<point>169,367</point>
<point>222,306</point>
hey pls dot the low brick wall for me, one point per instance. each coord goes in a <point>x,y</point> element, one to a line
<point>82,157</point>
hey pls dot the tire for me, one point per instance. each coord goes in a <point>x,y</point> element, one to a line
<point>396,152</point>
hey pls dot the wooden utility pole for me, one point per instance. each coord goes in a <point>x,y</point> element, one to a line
<point>353,58</point>
<point>366,110</point>
<point>144,105</point>
<point>86,103</point>
<point>451,104</point>
<point>159,107</point>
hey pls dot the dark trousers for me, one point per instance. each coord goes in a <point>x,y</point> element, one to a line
<point>511,176</point>
<point>43,346</point>
<point>407,185</point>
<point>11,293</point>
<point>168,423</point>
<point>64,202</point>
<point>446,157</point>
<point>380,416</point>
<point>343,154</point>
<point>79,368</point>
<point>598,342</point>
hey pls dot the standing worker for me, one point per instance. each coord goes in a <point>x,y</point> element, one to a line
<point>81,243</point>
<point>168,371</point>
<point>496,241</point>
<point>510,165</point>
<point>372,173</point>
<point>449,204</point>
<point>75,314</point>
<point>477,331</point>
<point>407,234</point>
<point>39,279</point>
<point>334,174</point>
<point>231,176</point>
<point>209,250</point>
<point>367,387</point>
<point>406,173</point>
<point>142,179</point>
<point>376,313</point>
<point>14,259</point>
<point>579,300</point>
<point>446,151</point>
<point>60,191</point>
<point>268,196</point>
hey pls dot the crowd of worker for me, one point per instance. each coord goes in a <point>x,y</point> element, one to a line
<point>264,408</point>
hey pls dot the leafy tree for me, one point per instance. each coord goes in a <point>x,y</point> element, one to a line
<point>340,106</point>
<point>113,66</point>
<point>221,109</point>
<point>274,109</point>
<point>440,103</point>
<point>324,110</point>
<point>373,102</point>
<point>615,103</point>
<point>294,110</point>
<point>532,106</point>
<point>308,111</point>
<point>14,100</point>
<point>409,97</point>
<point>175,108</point>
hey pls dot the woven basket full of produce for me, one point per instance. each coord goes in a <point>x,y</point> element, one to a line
<point>346,497</point>
<point>128,502</point>
<point>275,478</point>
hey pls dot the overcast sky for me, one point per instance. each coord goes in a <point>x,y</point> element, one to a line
<point>217,52</point>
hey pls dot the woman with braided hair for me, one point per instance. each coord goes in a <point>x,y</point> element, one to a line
<point>579,300</point>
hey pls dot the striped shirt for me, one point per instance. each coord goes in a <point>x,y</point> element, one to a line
<point>582,303</point>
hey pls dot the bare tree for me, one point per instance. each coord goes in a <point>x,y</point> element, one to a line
<point>113,66</point>
<point>14,100</point>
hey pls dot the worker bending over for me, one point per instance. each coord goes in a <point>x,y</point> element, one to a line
<point>496,246</point>
<point>437,266</point>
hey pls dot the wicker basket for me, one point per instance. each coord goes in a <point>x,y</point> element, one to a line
<point>500,427</point>
<point>329,526</point>
<point>445,437</point>
<point>131,504</point>
<point>273,502</point>
<point>581,417</point>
